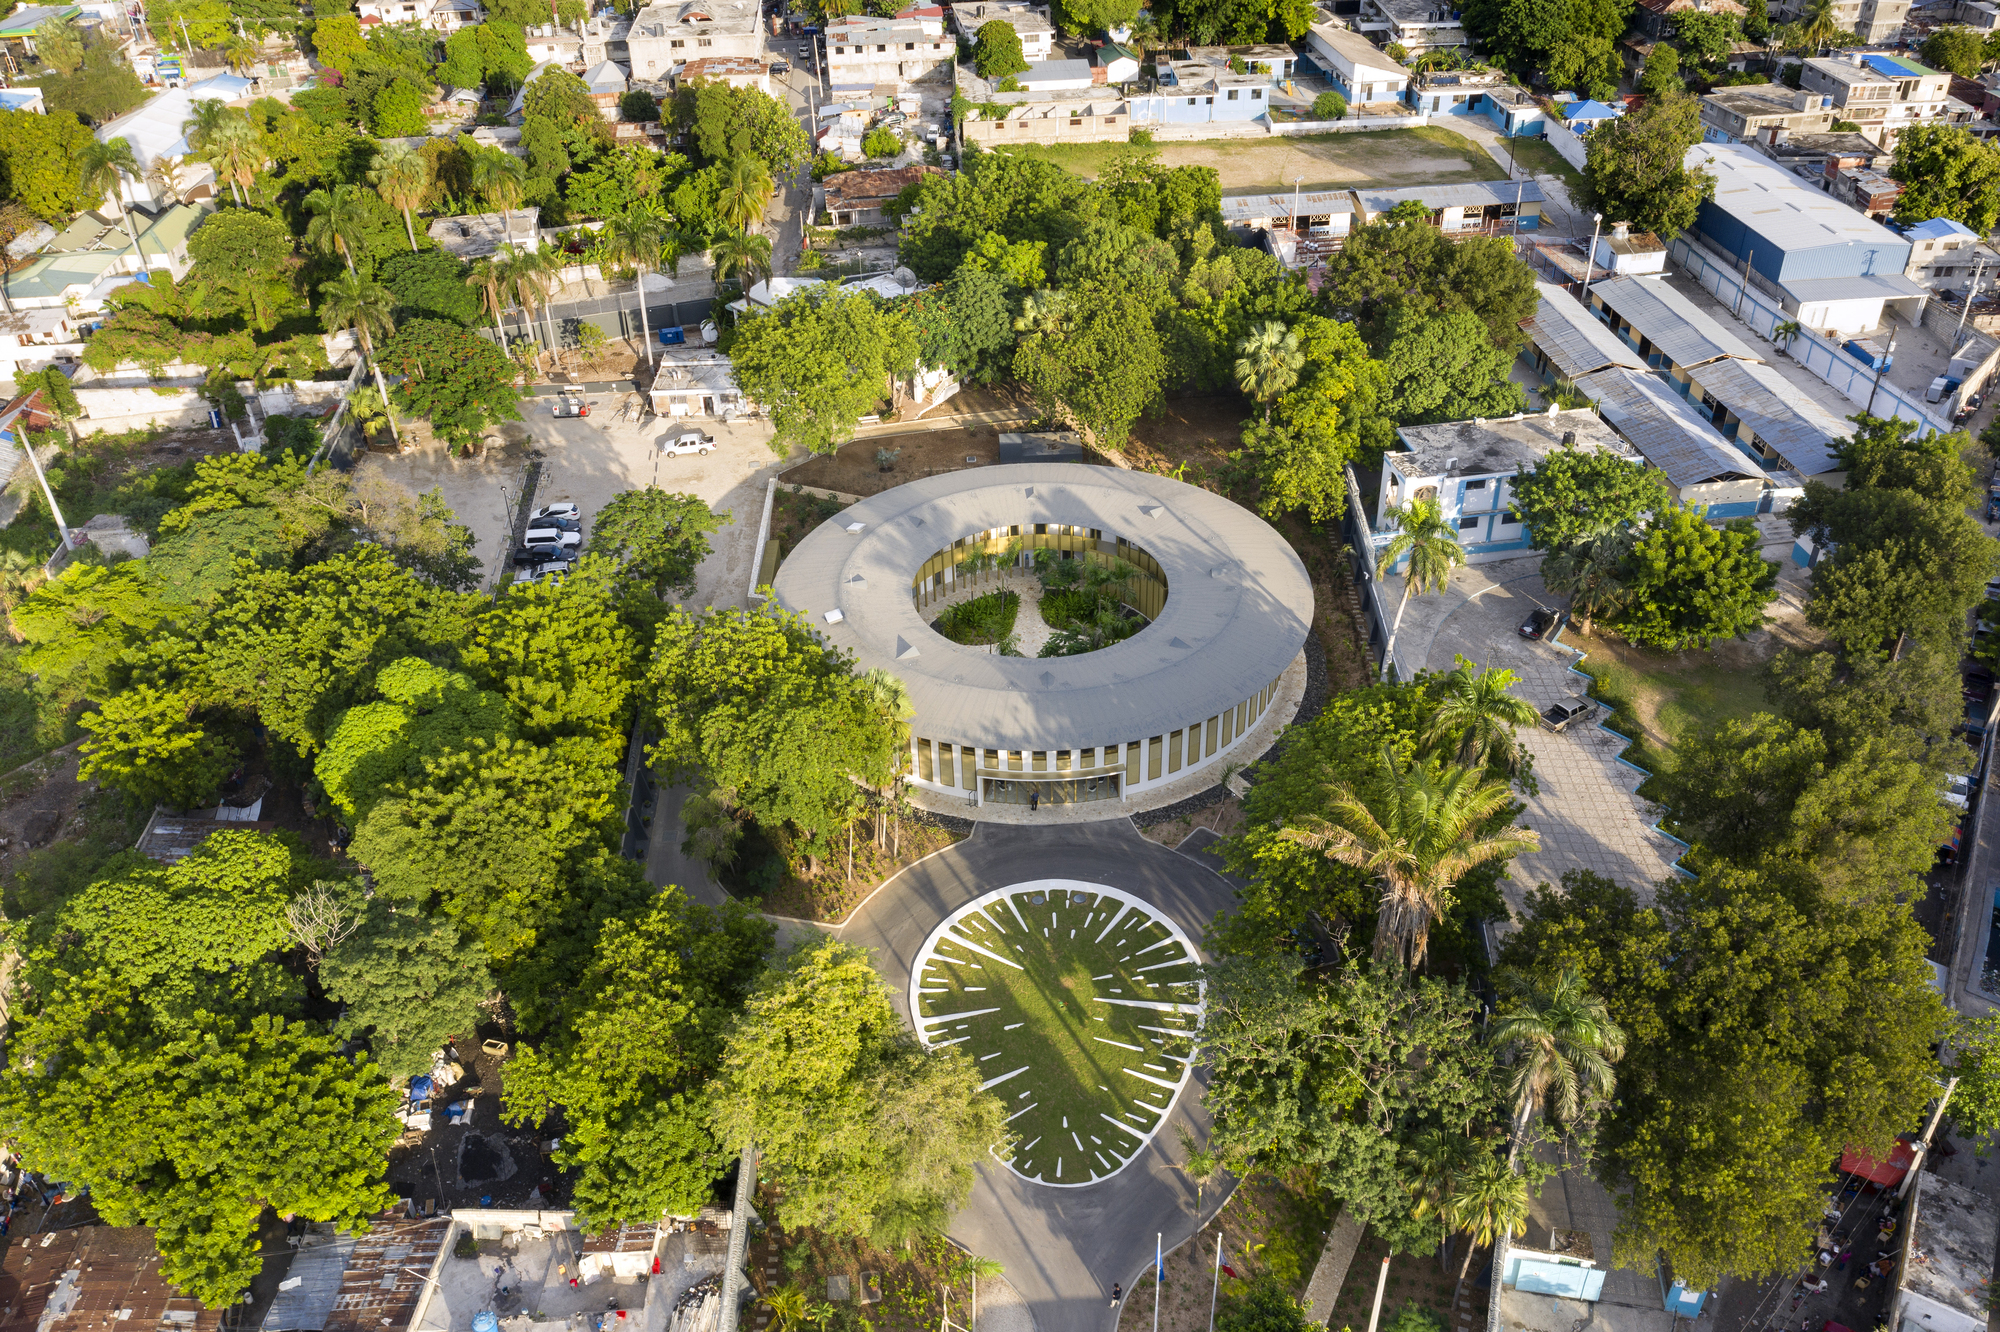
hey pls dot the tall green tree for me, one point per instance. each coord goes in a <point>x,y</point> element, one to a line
<point>1268,362</point>
<point>996,52</point>
<point>409,984</point>
<point>818,361</point>
<point>1564,1045</point>
<point>756,703</point>
<point>458,381</point>
<point>658,538</point>
<point>39,158</point>
<point>867,1132</point>
<point>1634,167</point>
<point>1946,173</point>
<point>1476,717</point>
<point>1573,495</point>
<point>1690,584</point>
<point>1101,370</point>
<point>1444,368</point>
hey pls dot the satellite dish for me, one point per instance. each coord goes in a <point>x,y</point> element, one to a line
<point>904,278</point>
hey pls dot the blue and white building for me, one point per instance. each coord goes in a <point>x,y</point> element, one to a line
<point>1359,70</point>
<point>1469,468</point>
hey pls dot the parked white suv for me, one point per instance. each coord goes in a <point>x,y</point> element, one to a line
<point>552,536</point>
<point>687,441</point>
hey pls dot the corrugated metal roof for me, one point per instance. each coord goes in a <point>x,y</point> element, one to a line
<point>1889,286</point>
<point>386,1273</point>
<point>1662,425</point>
<point>1278,203</point>
<point>1575,341</point>
<point>1784,417</point>
<point>1783,210</point>
<point>1237,609</point>
<point>1670,321</point>
<point>1475,193</point>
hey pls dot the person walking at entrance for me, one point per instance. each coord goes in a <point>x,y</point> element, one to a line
<point>1034,800</point>
<point>1117,1294</point>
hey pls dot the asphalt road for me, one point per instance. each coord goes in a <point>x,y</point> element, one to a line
<point>1062,1248</point>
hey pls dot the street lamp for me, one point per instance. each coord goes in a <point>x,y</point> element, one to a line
<point>1297,186</point>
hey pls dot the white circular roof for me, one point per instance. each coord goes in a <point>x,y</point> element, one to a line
<point>1237,611</point>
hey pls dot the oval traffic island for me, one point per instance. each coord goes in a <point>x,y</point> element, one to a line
<point>1080,1005</point>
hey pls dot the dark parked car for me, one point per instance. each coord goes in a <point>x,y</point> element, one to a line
<point>1543,623</point>
<point>1978,686</point>
<point>540,553</point>
<point>781,66</point>
<point>1559,717</point>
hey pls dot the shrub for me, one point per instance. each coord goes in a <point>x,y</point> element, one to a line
<point>982,620</point>
<point>881,143</point>
<point>1329,106</point>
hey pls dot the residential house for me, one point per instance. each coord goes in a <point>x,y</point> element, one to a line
<point>1051,76</point>
<point>1944,1273</point>
<point>1358,69</point>
<point>1203,89</point>
<point>607,86</point>
<point>866,50</point>
<point>855,198</point>
<point>1030,23</point>
<point>1584,116</point>
<point>1736,115</point>
<point>95,1278</point>
<point>36,339</point>
<point>1457,92</point>
<point>17,31</point>
<point>1867,191</point>
<point>1119,64</point>
<point>605,37</point>
<point>693,381</point>
<point>1818,158</point>
<point>23,99</point>
<point>1943,253</point>
<point>1274,62</point>
<point>1654,19</point>
<point>736,71</point>
<point>1473,208</point>
<point>95,256</point>
<point>1831,267</point>
<point>1882,94</point>
<point>550,45</point>
<point>667,34</point>
<point>155,131</point>
<point>1415,25</point>
<point>1469,468</point>
<point>1875,22</point>
<point>479,235</point>
<point>449,16</point>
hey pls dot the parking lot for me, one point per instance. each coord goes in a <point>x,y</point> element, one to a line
<point>589,461</point>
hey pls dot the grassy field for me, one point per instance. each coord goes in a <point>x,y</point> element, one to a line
<point>1657,697</point>
<point>1534,155</point>
<point>1376,158</point>
<point>1073,1009</point>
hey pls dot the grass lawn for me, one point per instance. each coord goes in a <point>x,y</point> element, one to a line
<point>1079,1010</point>
<point>1540,158</point>
<point>1375,158</point>
<point>1657,697</point>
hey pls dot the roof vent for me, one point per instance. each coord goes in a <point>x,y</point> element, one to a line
<point>858,582</point>
<point>904,649</point>
<point>856,527</point>
<point>1569,438</point>
<point>1047,679</point>
<point>1176,642</point>
<point>1451,464</point>
<point>1151,510</point>
<point>833,616</point>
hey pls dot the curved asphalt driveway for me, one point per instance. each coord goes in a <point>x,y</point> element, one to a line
<point>1063,1248</point>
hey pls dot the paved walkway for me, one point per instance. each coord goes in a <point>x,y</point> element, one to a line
<point>1586,812</point>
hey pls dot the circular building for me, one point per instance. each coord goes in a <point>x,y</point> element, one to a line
<point>1227,600</point>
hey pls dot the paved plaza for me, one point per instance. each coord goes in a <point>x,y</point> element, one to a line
<point>1586,811</point>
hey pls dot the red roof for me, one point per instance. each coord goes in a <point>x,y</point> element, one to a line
<point>1887,1174</point>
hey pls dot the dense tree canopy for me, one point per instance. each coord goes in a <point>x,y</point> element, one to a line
<point>1635,169</point>
<point>818,361</point>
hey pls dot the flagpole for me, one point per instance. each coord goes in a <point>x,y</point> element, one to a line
<point>1159,1280</point>
<point>1217,1287</point>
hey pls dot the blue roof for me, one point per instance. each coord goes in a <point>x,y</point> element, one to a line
<point>1589,110</point>
<point>1894,68</point>
<point>1938,228</point>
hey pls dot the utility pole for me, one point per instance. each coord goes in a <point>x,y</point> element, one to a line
<point>1215,1289</point>
<point>1923,1144</point>
<point>28,447</point>
<point>739,1238</point>
<point>1880,370</point>
<point>1590,261</point>
<point>1743,287</point>
<point>1970,293</point>
<point>1159,1278</point>
<point>1381,1285</point>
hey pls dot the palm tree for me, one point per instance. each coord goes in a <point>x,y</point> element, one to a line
<point>163,177</point>
<point>489,279</point>
<point>243,55</point>
<point>233,149</point>
<point>888,695</point>
<point>789,1306</point>
<point>1785,332</point>
<point>1043,311</point>
<point>1432,545</point>
<point>527,274</point>
<point>1564,1045</point>
<point>502,179</point>
<point>1591,575</point>
<point>1416,828</point>
<point>101,169</point>
<point>1479,713</point>
<point>637,237</point>
<point>741,255</point>
<point>1268,361</point>
<point>1433,1161</point>
<point>337,221</point>
<point>1487,1200</point>
<point>746,192</point>
<point>362,304</point>
<point>403,176</point>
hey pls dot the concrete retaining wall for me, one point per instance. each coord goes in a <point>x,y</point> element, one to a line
<point>1566,143</point>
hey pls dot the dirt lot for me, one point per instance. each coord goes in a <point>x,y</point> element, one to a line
<point>1424,156</point>
<point>853,470</point>
<point>1225,819</point>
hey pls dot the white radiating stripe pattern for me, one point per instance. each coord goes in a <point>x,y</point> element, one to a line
<point>1123,914</point>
